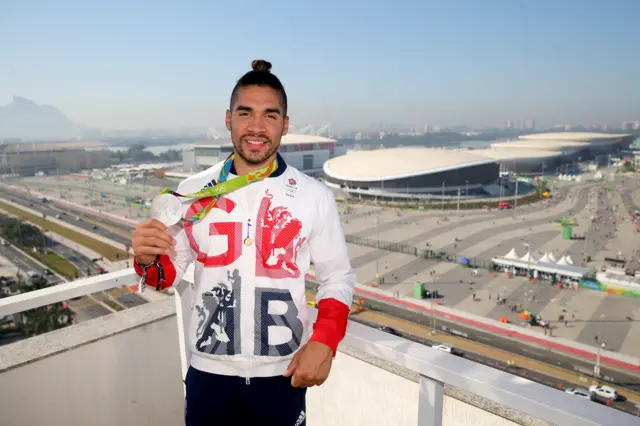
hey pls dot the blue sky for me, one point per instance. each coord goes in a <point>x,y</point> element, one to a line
<point>134,64</point>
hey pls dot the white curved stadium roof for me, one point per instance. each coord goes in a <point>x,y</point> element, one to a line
<point>398,163</point>
<point>288,139</point>
<point>542,144</point>
<point>500,154</point>
<point>291,138</point>
<point>573,136</point>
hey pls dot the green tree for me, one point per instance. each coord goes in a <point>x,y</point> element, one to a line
<point>46,318</point>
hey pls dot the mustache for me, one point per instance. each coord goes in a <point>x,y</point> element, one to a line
<point>256,135</point>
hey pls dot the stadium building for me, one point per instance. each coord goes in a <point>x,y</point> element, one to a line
<point>27,159</point>
<point>385,172</point>
<point>524,161</point>
<point>305,152</point>
<point>409,172</point>
<point>598,143</point>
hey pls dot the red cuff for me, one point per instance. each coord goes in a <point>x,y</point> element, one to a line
<point>152,272</point>
<point>331,324</point>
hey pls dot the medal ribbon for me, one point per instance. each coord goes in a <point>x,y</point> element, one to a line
<point>223,186</point>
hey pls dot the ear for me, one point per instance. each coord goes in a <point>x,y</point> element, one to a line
<point>285,126</point>
<point>227,120</point>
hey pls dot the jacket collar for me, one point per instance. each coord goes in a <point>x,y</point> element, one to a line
<point>282,166</point>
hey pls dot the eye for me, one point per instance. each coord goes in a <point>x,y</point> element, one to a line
<point>272,116</point>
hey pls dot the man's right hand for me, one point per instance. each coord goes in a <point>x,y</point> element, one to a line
<point>150,239</point>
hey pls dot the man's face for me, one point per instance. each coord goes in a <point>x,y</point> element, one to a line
<point>257,123</point>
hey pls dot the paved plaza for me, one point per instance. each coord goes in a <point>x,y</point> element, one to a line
<point>478,234</point>
<point>485,234</point>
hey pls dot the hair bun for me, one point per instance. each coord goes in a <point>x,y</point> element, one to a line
<point>261,65</point>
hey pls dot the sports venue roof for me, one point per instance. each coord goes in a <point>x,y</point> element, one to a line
<point>288,139</point>
<point>398,163</point>
<point>499,154</point>
<point>542,144</point>
<point>573,136</point>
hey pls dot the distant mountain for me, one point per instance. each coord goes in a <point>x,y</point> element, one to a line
<point>27,120</point>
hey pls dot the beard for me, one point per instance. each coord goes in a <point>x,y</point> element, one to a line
<point>257,154</point>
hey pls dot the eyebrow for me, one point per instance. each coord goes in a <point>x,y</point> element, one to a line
<point>267,111</point>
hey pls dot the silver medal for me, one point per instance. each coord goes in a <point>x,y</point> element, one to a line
<point>166,208</point>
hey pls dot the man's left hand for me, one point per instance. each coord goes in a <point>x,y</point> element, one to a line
<point>310,366</point>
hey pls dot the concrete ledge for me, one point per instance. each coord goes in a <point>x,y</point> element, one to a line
<point>48,344</point>
<point>469,398</point>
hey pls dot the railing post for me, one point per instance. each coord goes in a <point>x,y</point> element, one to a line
<point>430,402</point>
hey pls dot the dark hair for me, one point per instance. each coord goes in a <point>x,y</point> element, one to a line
<point>260,75</point>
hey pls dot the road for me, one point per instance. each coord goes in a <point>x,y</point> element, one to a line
<point>531,374</point>
<point>619,378</point>
<point>86,307</point>
<point>541,354</point>
<point>24,262</point>
<point>51,210</point>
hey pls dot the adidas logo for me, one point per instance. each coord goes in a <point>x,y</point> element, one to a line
<point>301,418</point>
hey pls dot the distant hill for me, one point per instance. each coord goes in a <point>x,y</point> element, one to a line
<point>27,120</point>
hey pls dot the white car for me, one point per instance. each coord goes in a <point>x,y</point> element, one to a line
<point>446,348</point>
<point>581,392</point>
<point>604,391</point>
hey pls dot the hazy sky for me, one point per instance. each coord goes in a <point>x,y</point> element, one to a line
<point>134,64</point>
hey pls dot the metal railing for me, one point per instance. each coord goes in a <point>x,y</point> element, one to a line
<point>412,250</point>
<point>435,368</point>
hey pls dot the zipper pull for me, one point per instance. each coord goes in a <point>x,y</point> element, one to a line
<point>247,381</point>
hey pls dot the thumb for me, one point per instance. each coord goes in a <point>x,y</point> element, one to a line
<point>292,366</point>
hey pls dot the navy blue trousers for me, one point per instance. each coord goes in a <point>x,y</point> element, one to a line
<point>216,400</point>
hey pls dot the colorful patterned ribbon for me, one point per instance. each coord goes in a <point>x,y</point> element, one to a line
<point>223,186</point>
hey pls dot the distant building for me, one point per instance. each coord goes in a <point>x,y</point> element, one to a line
<point>305,152</point>
<point>27,159</point>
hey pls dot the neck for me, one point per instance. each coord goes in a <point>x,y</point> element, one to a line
<point>243,168</point>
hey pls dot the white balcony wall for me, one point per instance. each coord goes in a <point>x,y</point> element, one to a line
<point>359,393</point>
<point>124,369</point>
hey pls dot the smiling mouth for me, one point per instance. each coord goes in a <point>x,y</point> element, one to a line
<point>256,142</point>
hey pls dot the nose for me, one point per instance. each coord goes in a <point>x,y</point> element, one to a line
<point>257,124</point>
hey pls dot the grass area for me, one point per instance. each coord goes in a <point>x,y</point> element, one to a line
<point>58,264</point>
<point>113,304</point>
<point>106,250</point>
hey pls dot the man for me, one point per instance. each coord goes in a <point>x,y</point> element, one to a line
<point>251,355</point>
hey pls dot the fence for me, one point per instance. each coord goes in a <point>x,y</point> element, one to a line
<point>439,256</point>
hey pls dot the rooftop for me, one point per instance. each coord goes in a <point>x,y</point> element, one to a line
<point>542,144</point>
<point>514,153</point>
<point>53,146</point>
<point>574,136</point>
<point>104,372</point>
<point>396,163</point>
<point>288,139</point>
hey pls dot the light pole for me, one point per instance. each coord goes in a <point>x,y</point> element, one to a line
<point>596,369</point>
<point>433,306</point>
<point>443,196</point>
<point>458,203</point>
<point>515,198</point>
<point>377,246</point>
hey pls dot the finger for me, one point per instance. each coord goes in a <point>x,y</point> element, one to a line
<point>296,381</point>
<point>292,366</point>
<point>150,251</point>
<point>155,223</point>
<point>156,242</point>
<point>154,232</point>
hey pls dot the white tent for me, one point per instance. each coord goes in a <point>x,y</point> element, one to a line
<point>562,261</point>
<point>551,257</point>
<point>545,259</point>
<point>511,255</point>
<point>568,260</point>
<point>528,258</point>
